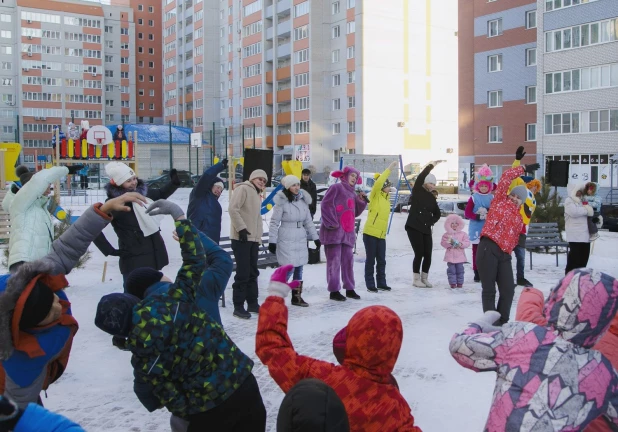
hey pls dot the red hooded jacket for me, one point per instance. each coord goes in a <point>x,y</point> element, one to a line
<point>363,382</point>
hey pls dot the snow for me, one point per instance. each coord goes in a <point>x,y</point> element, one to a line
<point>96,389</point>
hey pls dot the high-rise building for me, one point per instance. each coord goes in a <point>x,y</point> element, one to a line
<point>63,61</point>
<point>497,83</point>
<point>336,77</point>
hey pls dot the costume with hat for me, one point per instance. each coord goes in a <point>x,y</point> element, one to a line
<point>340,207</point>
<point>182,359</point>
<point>139,239</point>
<point>310,187</point>
<point>33,357</point>
<point>374,232</point>
<point>363,382</point>
<point>549,377</point>
<point>32,229</point>
<point>291,226</point>
<point>73,131</point>
<point>204,209</point>
<point>424,213</point>
<point>499,237</point>
<point>246,235</point>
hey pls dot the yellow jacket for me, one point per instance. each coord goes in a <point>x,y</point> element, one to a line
<point>529,206</point>
<point>379,208</point>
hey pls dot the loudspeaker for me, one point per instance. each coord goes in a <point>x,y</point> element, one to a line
<point>258,159</point>
<point>558,173</point>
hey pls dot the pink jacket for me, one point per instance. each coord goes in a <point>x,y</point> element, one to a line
<point>454,254</point>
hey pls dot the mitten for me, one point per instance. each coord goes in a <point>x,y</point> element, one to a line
<point>279,286</point>
<point>486,322</point>
<point>243,235</point>
<point>164,207</point>
<point>174,177</point>
<point>590,210</point>
<point>456,243</point>
<point>224,162</point>
<point>531,168</point>
<point>73,169</point>
<point>482,210</point>
<point>520,153</point>
<point>318,243</point>
<point>272,248</point>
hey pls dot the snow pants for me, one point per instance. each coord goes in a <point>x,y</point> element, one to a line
<point>455,273</point>
<point>422,244</point>
<point>339,259</point>
<point>494,266</point>
<point>375,249</point>
<point>245,285</point>
<point>578,256</point>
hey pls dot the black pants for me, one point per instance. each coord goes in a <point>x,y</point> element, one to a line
<point>242,412</point>
<point>422,244</point>
<point>245,280</point>
<point>375,249</point>
<point>578,256</point>
<point>494,266</point>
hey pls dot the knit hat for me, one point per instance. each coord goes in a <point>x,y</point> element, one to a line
<point>140,279</point>
<point>37,306</point>
<point>289,180</point>
<point>24,174</point>
<point>521,192</point>
<point>220,184</point>
<point>119,172</point>
<point>257,174</point>
<point>114,313</point>
<point>430,179</point>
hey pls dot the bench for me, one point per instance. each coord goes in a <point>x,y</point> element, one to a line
<point>544,234</point>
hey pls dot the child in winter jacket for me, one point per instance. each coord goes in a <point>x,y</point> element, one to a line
<point>455,240</point>
<point>36,321</point>
<point>340,206</point>
<point>204,209</point>
<point>363,382</point>
<point>477,208</point>
<point>548,377</point>
<point>291,226</point>
<point>182,359</point>
<point>374,232</point>
<point>530,309</point>
<point>590,196</point>
<point>499,237</point>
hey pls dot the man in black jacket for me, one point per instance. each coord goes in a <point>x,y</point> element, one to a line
<point>308,185</point>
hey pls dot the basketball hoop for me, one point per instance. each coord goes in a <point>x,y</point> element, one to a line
<point>99,137</point>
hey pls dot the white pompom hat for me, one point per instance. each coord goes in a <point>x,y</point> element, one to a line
<point>119,172</point>
<point>289,180</point>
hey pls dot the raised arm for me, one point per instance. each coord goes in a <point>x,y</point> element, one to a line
<point>36,187</point>
<point>202,188</point>
<point>216,277</point>
<point>193,262</point>
<point>379,184</point>
<point>503,185</point>
<point>420,180</point>
<point>162,193</point>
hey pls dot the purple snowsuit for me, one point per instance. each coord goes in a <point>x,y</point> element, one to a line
<point>549,378</point>
<point>340,206</point>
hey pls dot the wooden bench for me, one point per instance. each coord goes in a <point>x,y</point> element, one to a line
<point>544,234</point>
<point>5,223</point>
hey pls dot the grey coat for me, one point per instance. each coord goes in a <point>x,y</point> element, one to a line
<point>291,226</point>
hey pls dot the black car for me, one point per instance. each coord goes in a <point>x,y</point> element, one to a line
<point>185,179</point>
<point>610,217</point>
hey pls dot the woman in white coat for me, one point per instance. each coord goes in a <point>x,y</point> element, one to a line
<point>291,225</point>
<point>576,214</point>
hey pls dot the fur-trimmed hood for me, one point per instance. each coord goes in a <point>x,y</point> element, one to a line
<point>453,218</point>
<point>572,190</point>
<point>114,191</point>
<point>15,290</point>
<point>281,198</point>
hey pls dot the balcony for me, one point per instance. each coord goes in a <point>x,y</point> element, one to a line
<point>269,77</point>
<point>269,55</point>
<point>269,120</point>
<point>269,142</point>
<point>284,28</point>
<point>284,73</point>
<point>283,6</point>
<point>284,140</point>
<point>269,98</point>
<point>284,95</point>
<point>284,50</point>
<point>269,33</point>
<point>284,118</point>
<point>269,12</point>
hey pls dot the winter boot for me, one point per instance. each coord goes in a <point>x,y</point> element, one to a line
<point>352,294</point>
<point>453,286</point>
<point>477,277</point>
<point>253,308</point>
<point>418,282</point>
<point>459,285</point>
<point>424,277</point>
<point>372,289</point>
<point>240,312</point>
<point>337,296</point>
<point>523,282</point>
<point>384,287</point>
<point>297,300</point>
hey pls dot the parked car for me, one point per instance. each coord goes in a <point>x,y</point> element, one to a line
<point>610,217</point>
<point>185,179</point>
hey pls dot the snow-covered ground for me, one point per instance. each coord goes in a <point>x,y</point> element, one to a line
<point>97,388</point>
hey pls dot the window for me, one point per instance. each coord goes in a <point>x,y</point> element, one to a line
<point>301,32</point>
<point>494,99</point>
<point>124,31</point>
<point>301,127</point>
<point>494,27</point>
<point>151,9</point>
<point>351,127</point>
<point>5,18</point>
<point>302,56</point>
<point>336,128</point>
<point>301,104</point>
<point>140,7</point>
<point>336,104</point>
<point>351,4</point>
<point>252,8</point>
<point>603,120</point>
<point>560,4</point>
<point>253,28</point>
<point>531,19</point>
<point>140,78</point>
<point>531,132</point>
<point>151,23</point>
<point>6,50</point>
<point>335,8</point>
<point>531,57</point>
<point>253,91</point>
<point>140,21</point>
<point>140,92</point>
<point>562,123</point>
<point>582,79</point>
<point>531,94</point>
<point>151,78</point>
<point>6,34</point>
<point>351,77</point>
<point>252,112</point>
<point>301,80</point>
<point>351,27</point>
<point>334,56</point>
<point>351,52</point>
<point>336,156</point>
<point>582,35</point>
<point>494,63</point>
<point>7,65</point>
<point>301,9</point>
<point>252,49</point>
<point>495,134</point>
<point>109,102</point>
<point>336,80</point>
<point>250,71</point>
<point>335,32</point>
<point>351,101</point>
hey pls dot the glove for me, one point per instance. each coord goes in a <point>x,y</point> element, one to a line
<point>318,243</point>
<point>595,220</point>
<point>174,177</point>
<point>243,236</point>
<point>590,210</point>
<point>272,248</point>
<point>393,165</point>
<point>486,322</point>
<point>73,169</point>
<point>224,162</point>
<point>434,162</point>
<point>10,414</point>
<point>278,282</point>
<point>531,168</point>
<point>520,153</point>
<point>164,207</point>
<point>482,211</point>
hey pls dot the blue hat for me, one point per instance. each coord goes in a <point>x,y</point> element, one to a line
<point>115,312</point>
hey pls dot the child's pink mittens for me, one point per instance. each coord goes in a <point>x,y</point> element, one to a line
<point>278,282</point>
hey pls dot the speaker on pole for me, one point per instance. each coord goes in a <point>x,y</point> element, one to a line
<point>558,173</point>
<point>258,159</point>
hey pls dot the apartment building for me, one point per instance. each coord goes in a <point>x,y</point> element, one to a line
<point>62,61</point>
<point>578,78</point>
<point>497,83</point>
<point>335,77</point>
